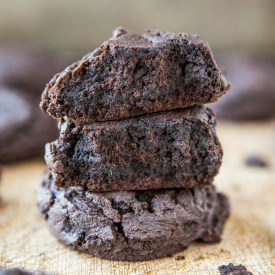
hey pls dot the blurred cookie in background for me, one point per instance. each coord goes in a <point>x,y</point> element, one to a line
<point>19,271</point>
<point>29,67</point>
<point>252,95</point>
<point>24,129</point>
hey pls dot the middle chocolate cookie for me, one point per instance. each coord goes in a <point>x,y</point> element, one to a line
<point>162,150</point>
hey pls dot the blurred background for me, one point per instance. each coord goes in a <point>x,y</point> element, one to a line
<point>40,38</point>
<point>82,25</point>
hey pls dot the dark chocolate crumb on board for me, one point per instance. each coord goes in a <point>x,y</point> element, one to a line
<point>231,269</point>
<point>179,258</point>
<point>256,161</point>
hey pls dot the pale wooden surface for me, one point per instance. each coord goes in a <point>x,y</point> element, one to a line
<point>248,237</point>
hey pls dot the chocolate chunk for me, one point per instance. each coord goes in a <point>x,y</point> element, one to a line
<point>132,74</point>
<point>164,150</point>
<point>230,269</point>
<point>132,225</point>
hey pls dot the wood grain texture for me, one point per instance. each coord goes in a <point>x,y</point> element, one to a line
<point>249,236</point>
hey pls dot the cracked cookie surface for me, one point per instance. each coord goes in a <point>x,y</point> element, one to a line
<point>132,225</point>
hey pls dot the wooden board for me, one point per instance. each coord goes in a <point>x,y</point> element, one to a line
<point>248,237</point>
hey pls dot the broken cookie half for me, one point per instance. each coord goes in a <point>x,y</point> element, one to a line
<point>131,74</point>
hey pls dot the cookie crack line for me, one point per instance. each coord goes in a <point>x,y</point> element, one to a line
<point>176,219</point>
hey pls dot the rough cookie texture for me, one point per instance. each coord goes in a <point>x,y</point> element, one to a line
<point>171,149</point>
<point>132,225</point>
<point>131,75</point>
<point>231,269</point>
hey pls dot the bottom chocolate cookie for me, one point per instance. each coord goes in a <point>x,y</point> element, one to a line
<point>132,225</point>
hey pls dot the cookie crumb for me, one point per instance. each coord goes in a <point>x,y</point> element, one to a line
<point>179,258</point>
<point>199,258</point>
<point>231,269</point>
<point>255,161</point>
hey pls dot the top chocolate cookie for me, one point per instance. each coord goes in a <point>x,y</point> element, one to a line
<point>131,75</point>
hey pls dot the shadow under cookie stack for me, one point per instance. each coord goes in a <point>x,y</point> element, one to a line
<point>132,170</point>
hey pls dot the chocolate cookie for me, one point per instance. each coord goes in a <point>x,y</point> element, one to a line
<point>24,129</point>
<point>29,68</point>
<point>252,96</point>
<point>132,75</point>
<point>170,149</point>
<point>23,74</point>
<point>132,225</point>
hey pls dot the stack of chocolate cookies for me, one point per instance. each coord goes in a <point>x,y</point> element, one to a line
<point>132,170</point>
